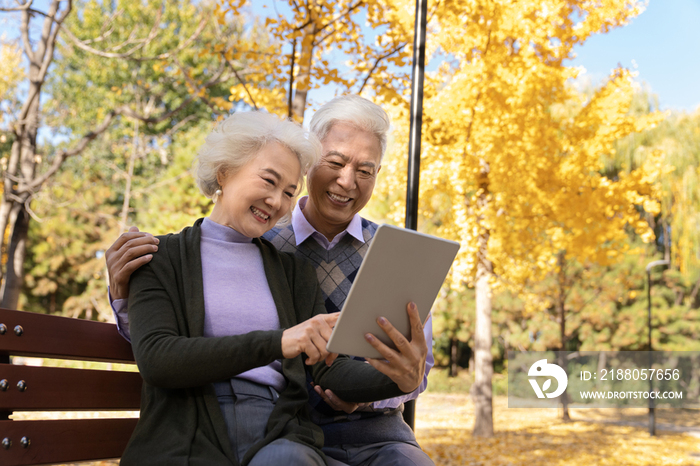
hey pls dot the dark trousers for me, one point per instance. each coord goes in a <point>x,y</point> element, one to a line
<point>246,407</point>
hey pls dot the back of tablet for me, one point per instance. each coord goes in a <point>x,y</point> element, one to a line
<point>400,266</point>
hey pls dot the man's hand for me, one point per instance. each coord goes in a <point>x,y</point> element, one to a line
<point>405,365</point>
<point>129,252</point>
<point>336,403</point>
<point>310,337</point>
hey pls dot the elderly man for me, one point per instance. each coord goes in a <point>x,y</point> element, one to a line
<point>327,229</point>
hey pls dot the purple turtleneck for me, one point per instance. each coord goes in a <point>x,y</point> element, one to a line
<point>237,297</point>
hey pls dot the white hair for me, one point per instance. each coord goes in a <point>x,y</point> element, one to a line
<point>353,110</point>
<point>240,137</point>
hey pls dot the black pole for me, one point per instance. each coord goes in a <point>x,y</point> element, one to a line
<point>652,413</point>
<point>417,78</point>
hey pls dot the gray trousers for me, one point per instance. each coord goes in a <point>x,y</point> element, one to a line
<point>246,407</point>
<point>378,454</point>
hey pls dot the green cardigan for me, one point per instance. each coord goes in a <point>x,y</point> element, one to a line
<point>181,422</point>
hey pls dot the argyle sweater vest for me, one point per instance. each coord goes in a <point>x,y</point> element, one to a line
<point>336,270</point>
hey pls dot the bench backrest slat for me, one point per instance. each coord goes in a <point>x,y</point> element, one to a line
<point>62,338</point>
<point>63,389</point>
<point>66,440</point>
<point>54,388</point>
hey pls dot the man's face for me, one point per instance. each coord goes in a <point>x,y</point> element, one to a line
<point>342,182</point>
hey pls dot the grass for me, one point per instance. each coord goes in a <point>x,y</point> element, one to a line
<point>440,382</point>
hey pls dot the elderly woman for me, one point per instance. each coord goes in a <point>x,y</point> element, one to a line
<point>224,327</point>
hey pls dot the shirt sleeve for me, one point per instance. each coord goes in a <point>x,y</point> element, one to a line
<point>120,308</point>
<point>393,403</point>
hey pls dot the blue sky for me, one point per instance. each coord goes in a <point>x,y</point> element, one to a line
<point>662,44</point>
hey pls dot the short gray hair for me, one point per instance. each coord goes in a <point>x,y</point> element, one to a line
<point>353,110</point>
<point>240,137</point>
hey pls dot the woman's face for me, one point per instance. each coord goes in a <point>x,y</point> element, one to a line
<point>255,197</point>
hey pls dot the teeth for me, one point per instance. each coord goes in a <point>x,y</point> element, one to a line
<point>335,197</point>
<point>259,213</point>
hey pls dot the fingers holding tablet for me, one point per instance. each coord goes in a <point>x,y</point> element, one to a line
<point>405,365</point>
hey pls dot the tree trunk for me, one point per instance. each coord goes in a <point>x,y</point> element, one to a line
<point>482,391</point>
<point>561,312</point>
<point>14,277</point>
<point>694,295</point>
<point>124,217</point>
<point>694,379</point>
<point>602,362</point>
<point>303,77</point>
<point>454,357</point>
<point>5,208</point>
<point>667,241</point>
<point>15,219</point>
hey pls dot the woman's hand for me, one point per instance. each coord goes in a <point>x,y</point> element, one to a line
<point>310,337</point>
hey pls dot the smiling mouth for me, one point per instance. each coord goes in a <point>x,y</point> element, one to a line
<point>260,214</point>
<point>338,199</point>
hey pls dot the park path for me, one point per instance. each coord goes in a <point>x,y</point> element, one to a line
<point>535,437</point>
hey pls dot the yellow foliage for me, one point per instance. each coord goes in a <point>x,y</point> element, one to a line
<point>222,103</point>
<point>302,40</point>
<point>511,149</point>
<point>10,70</point>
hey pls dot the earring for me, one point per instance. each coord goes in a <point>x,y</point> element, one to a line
<point>218,192</point>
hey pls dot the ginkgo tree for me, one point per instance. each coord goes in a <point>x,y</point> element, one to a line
<point>309,41</point>
<point>512,153</point>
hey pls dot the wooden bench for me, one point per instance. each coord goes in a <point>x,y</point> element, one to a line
<point>27,388</point>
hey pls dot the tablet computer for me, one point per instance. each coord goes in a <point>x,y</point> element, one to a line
<point>400,266</point>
